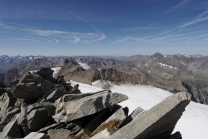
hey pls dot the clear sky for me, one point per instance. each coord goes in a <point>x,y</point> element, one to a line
<point>103,27</point>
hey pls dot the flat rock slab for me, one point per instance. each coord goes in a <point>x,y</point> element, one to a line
<point>160,119</point>
<point>88,105</point>
<point>45,129</point>
<point>6,101</point>
<point>59,133</point>
<point>36,135</point>
<point>95,122</point>
<point>114,121</point>
<point>56,94</point>
<point>132,116</point>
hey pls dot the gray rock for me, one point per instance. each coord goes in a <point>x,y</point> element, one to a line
<point>29,78</point>
<point>59,91</point>
<point>88,105</point>
<point>56,94</point>
<point>94,123</point>
<point>32,86</point>
<point>114,121</point>
<point>75,89</point>
<point>33,117</point>
<point>37,119</point>
<point>104,134</point>
<point>74,127</point>
<point>132,116</point>
<point>22,121</point>
<point>12,130</point>
<point>38,115</point>
<point>45,129</point>
<point>46,105</point>
<point>6,101</point>
<point>160,119</point>
<point>59,134</point>
<point>7,137</point>
<point>36,135</point>
<point>46,73</point>
<point>7,118</point>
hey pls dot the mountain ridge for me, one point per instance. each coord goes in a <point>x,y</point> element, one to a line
<point>174,73</point>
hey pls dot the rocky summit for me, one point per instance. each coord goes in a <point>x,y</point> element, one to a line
<point>41,107</point>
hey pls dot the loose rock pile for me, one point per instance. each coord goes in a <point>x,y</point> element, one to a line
<point>40,107</point>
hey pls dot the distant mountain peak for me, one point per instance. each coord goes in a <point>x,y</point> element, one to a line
<point>66,61</point>
<point>157,55</point>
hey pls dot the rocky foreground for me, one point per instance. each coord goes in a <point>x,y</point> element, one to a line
<point>41,107</point>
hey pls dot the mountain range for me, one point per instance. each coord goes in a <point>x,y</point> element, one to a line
<point>174,73</point>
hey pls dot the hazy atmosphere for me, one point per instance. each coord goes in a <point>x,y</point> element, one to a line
<point>103,27</point>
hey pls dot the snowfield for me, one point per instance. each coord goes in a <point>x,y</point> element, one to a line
<point>86,88</point>
<point>193,124</point>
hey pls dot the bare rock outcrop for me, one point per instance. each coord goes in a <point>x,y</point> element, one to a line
<point>59,133</point>
<point>32,86</point>
<point>46,74</point>
<point>87,105</point>
<point>38,108</point>
<point>104,134</point>
<point>96,121</point>
<point>114,121</point>
<point>6,101</point>
<point>161,119</point>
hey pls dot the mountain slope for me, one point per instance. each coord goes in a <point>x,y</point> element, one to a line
<point>171,72</point>
<point>17,72</point>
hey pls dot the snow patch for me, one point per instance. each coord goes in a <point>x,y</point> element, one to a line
<point>187,55</point>
<point>84,65</point>
<point>56,70</point>
<point>33,71</point>
<point>85,88</point>
<point>167,66</point>
<point>182,63</point>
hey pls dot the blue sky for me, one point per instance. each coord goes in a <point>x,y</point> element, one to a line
<point>103,27</point>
